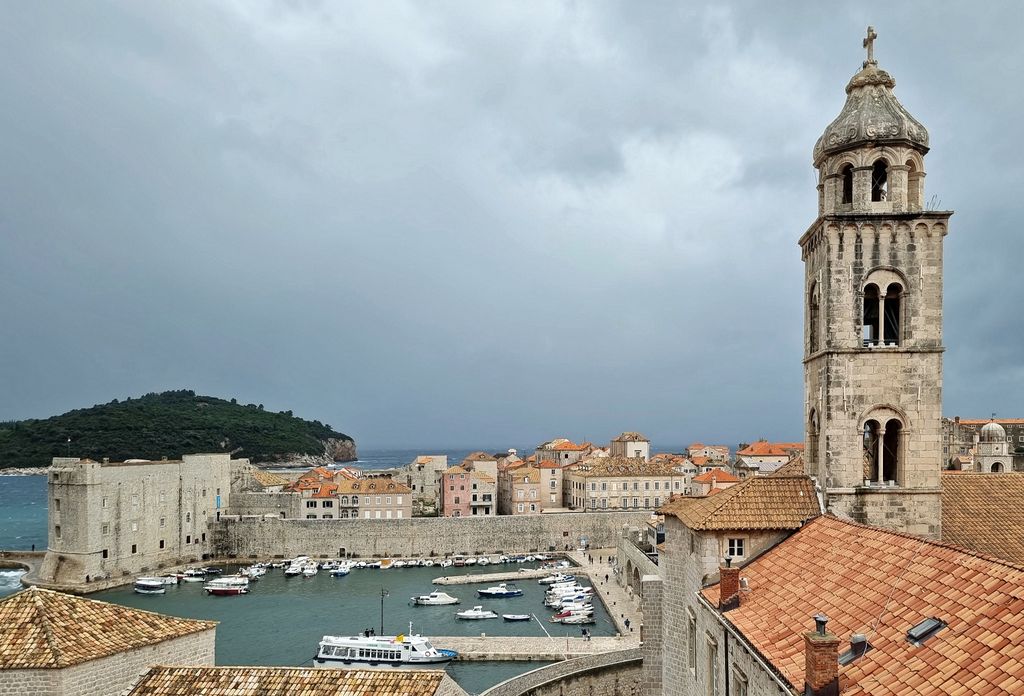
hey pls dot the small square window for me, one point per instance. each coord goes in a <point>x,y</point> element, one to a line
<point>106,553</point>
<point>161,543</point>
<point>135,548</point>
<point>105,529</point>
<point>736,548</point>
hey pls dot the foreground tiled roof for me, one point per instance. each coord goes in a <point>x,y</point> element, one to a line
<point>719,475</point>
<point>762,448</point>
<point>286,681</point>
<point>269,478</point>
<point>42,629</point>
<point>794,467</point>
<point>880,583</point>
<point>764,502</point>
<point>984,512</point>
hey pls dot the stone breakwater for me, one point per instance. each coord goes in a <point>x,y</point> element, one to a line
<point>24,471</point>
<point>493,577</point>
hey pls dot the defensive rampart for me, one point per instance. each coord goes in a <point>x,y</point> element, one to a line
<point>267,536</point>
<point>607,674</point>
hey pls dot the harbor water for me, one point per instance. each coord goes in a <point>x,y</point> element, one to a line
<point>281,620</point>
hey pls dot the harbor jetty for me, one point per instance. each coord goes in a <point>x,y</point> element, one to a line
<point>523,649</point>
<point>524,574</point>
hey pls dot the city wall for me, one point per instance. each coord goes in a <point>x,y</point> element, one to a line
<point>607,674</point>
<point>268,536</point>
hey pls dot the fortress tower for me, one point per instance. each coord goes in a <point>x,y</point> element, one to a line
<point>873,314</point>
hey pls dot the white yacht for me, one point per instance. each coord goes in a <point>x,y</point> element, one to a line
<point>149,586</point>
<point>435,598</point>
<point>476,613</point>
<point>379,651</point>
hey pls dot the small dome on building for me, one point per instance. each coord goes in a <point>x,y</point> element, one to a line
<point>871,115</point>
<point>992,432</point>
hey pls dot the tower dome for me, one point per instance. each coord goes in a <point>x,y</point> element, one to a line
<point>872,115</point>
<point>992,432</point>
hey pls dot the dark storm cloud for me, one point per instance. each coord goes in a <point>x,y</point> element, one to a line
<point>476,222</point>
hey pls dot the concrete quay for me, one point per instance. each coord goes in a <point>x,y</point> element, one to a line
<point>521,649</point>
<point>507,576</point>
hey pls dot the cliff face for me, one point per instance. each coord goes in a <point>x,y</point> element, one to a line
<point>335,450</point>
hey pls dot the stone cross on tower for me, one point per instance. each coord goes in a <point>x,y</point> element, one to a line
<point>869,43</point>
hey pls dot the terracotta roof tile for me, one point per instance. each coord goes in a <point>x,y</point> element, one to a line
<point>984,512</point>
<point>622,466</point>
<point>880,583</point>
<point>279,681</point>
<point>763,502</point>
<point>268,478</point>
<point>719,475</point>
<point>42,629</point>
<point>762,448</point>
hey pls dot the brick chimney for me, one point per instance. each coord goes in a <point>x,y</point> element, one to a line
<point>728,586</point>
<point>821,660</point>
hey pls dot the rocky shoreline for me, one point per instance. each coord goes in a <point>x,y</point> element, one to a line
<point>24,471</point>
<point>334,451</point>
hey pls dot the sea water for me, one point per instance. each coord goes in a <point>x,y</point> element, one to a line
<point>22,512</point>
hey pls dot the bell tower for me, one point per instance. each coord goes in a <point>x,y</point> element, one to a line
<point>873,314</point>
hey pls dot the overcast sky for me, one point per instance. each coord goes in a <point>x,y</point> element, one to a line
<point>475,223</point>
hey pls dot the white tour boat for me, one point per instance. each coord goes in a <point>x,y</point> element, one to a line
<point>500,591</point>
<point>476,613</point>
<point>227,586</point>
<point>368,650</point>
<point>150,586</point>
<point>434,598</point>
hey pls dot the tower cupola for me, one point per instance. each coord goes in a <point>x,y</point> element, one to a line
<point>871,157</point>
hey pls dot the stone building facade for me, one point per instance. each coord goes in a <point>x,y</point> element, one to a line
<point>620,483</point>
<point>960,437</point>
<point>423,476</point>
<point>873,315</point>
<point>519,491</point>
<point>131,517</point>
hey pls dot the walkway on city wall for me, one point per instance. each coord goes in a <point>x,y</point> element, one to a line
<point>608,673</point>
<point>22,560</point>
<point>528,649</point>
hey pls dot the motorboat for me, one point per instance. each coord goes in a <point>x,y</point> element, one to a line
<point>446,563</point>
<point>428,563</point>
<point>540,557</point>
<point>366,649</point>
<point>482,561</point>
<point>458,561</point>
<point>169,579</point>
<point>193,575</point>
<point>309,570</point>
<point>210,570</point>
<point>293,570</point>
<point>575,619</point>
<point>227,586</point>
<point>399,564</point>
<point>569,611</point>
<point>531,559</point>
<point>556,579</point>
<point>340,571</point>
<point>435,598</point>
<point>516,617</point>
<point>150,586</point>
<point>471,561</point>
<point>476,613</point>
<point>503,559</point>
<point>328,565</point>
<point>500,591</point>
<point>383,564</point>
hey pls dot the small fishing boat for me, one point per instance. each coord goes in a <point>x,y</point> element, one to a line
<point>193,575</point>
<point>428,563</point>
<point>503,559</point>
<point>500,591</point>
<point>434,598</point>
<point>446,563</point>
<point>340,572</point>
<point>575,619</point>
<point>459,561</point>
<point>556,579</point>
<point>169,579</point>
<point>210,570</point>
<point>482,561</point>
<point>471,561</point>
<point>475,613</point>
<point>516,617</point>
<point>309,570</point>
<point>149,586</point>
<point>227,586</point>
<point>531,559</point>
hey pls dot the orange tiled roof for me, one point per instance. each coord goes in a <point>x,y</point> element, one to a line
<point>42,629</point>
<point>763,448</point>
<point>531,458</point>
<point>455,470</point>
<point>264,681</point>
<point>763,502</point>
<point>794,467</point>
<point>548,464</point>
<point>719,475</point>
<point>569,445</point>
<point>699,460</point>
<point>880,583</point>
<point>983,512</point>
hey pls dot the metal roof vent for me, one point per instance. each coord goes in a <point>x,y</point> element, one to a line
<point>925,630</point>
<point>858,647</point>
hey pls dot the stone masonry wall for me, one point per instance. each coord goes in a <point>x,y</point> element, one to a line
<point>651,635</point>
<point>606,674</point>
<point>271,536</point>
<point>109,676</point>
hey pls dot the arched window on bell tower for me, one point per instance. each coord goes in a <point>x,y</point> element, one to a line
<point>813,428</point>
<point>879,181</point>
<point>882,451</point>
<point>846,177</point>
<point>915,192</point>
<point>893,307</point>
<point>813,319</point>
<point>870,324</point>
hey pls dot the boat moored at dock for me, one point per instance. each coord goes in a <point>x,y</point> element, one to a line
<point>500,591</point>
<point>435,598</point>
<point>227,586</point>
<point>150,586</point>
<point>475,613</point>
<point>369,650</point>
